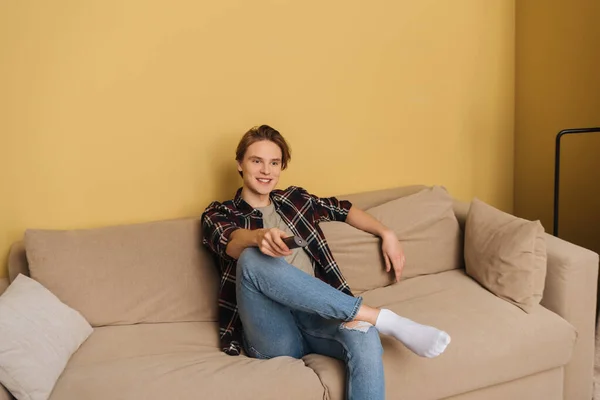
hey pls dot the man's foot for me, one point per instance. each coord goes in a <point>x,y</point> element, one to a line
<point>423,340</point>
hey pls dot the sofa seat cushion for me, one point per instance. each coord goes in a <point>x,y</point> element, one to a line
<point>176,361</point>
<point>493,341</point>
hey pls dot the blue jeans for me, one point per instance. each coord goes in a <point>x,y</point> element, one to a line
<point>286,312</point>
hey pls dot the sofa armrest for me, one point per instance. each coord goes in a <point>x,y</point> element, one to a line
<point>570,291</point>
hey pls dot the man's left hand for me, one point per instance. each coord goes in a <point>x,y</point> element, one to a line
<point>392,253</point>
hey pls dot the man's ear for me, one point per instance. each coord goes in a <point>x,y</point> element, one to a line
<point>239,166</point>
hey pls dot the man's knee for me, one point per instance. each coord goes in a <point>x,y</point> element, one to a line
<point>249,254</point>
<point>249,258</point>
<point>251,262</point>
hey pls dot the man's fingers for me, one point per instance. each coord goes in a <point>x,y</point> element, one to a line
<point>266,252</point>
<point>267,249</point>
<point>269,253</point>
<point>387,262</point>
<point>279,245</point>
<point>398,266</point>
<point>270,244</point>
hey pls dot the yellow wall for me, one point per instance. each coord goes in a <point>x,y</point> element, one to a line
<point>122,111</point>
<point>558,87</point>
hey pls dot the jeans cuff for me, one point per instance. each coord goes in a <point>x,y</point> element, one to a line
<point>357,305</point>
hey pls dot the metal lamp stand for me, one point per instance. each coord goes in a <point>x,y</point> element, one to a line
<point>557,167</point>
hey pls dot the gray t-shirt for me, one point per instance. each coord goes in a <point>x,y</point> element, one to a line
<point>299,258</point>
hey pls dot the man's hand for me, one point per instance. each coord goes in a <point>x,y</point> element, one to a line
<point>392,253</point>
<point>270,243</point>
<point>390,246</point>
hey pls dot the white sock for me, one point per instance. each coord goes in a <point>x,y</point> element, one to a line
<point>423,340</point>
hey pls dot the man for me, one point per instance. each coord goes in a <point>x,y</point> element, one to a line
<point>280,302</point>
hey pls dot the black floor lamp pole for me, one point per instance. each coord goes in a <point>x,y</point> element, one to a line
<point>557,167</point>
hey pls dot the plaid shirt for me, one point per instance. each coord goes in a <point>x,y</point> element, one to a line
<point>302,212</point>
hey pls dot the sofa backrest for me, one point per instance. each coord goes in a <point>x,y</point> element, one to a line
<point>149,272</point>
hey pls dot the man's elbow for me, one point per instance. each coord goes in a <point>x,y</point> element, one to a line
<point>351,216</point>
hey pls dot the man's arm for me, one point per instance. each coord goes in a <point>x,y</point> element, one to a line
<point>239,240</point>
<point>332,209</point>
<point>390,246</point>
<point>269,241</point>
<point>365,222</point>
<point>226,239</point>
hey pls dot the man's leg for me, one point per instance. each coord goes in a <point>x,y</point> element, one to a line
<point>270,329</point>
<point>355,343</point>
<point>290,287</point>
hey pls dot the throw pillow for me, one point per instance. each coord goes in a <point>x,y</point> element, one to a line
<point>426,228</point>
<point>506,254</point>
<point>38,335</point>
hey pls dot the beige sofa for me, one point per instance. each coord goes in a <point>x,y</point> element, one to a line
<point>158,340</point>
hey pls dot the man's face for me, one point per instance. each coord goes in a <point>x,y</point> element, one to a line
<point>261,167</point>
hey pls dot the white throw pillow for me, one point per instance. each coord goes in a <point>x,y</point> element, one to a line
<point>38,335</point>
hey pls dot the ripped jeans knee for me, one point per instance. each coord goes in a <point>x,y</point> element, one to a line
<point>361,326</point>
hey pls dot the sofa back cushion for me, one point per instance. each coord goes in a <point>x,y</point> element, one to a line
<point>426,227</point>
<point>150,272</point>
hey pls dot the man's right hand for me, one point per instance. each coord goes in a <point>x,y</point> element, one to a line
<point>270,242</point>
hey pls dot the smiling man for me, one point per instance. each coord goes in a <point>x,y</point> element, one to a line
<point>274,301</point>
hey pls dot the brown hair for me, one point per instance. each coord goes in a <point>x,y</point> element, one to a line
<point>263,132</point>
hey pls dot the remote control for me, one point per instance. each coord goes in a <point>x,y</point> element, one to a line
<point>293,242</point>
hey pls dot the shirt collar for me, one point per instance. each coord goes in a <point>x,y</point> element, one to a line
<point>246,208</point>
<point>238,201</point>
